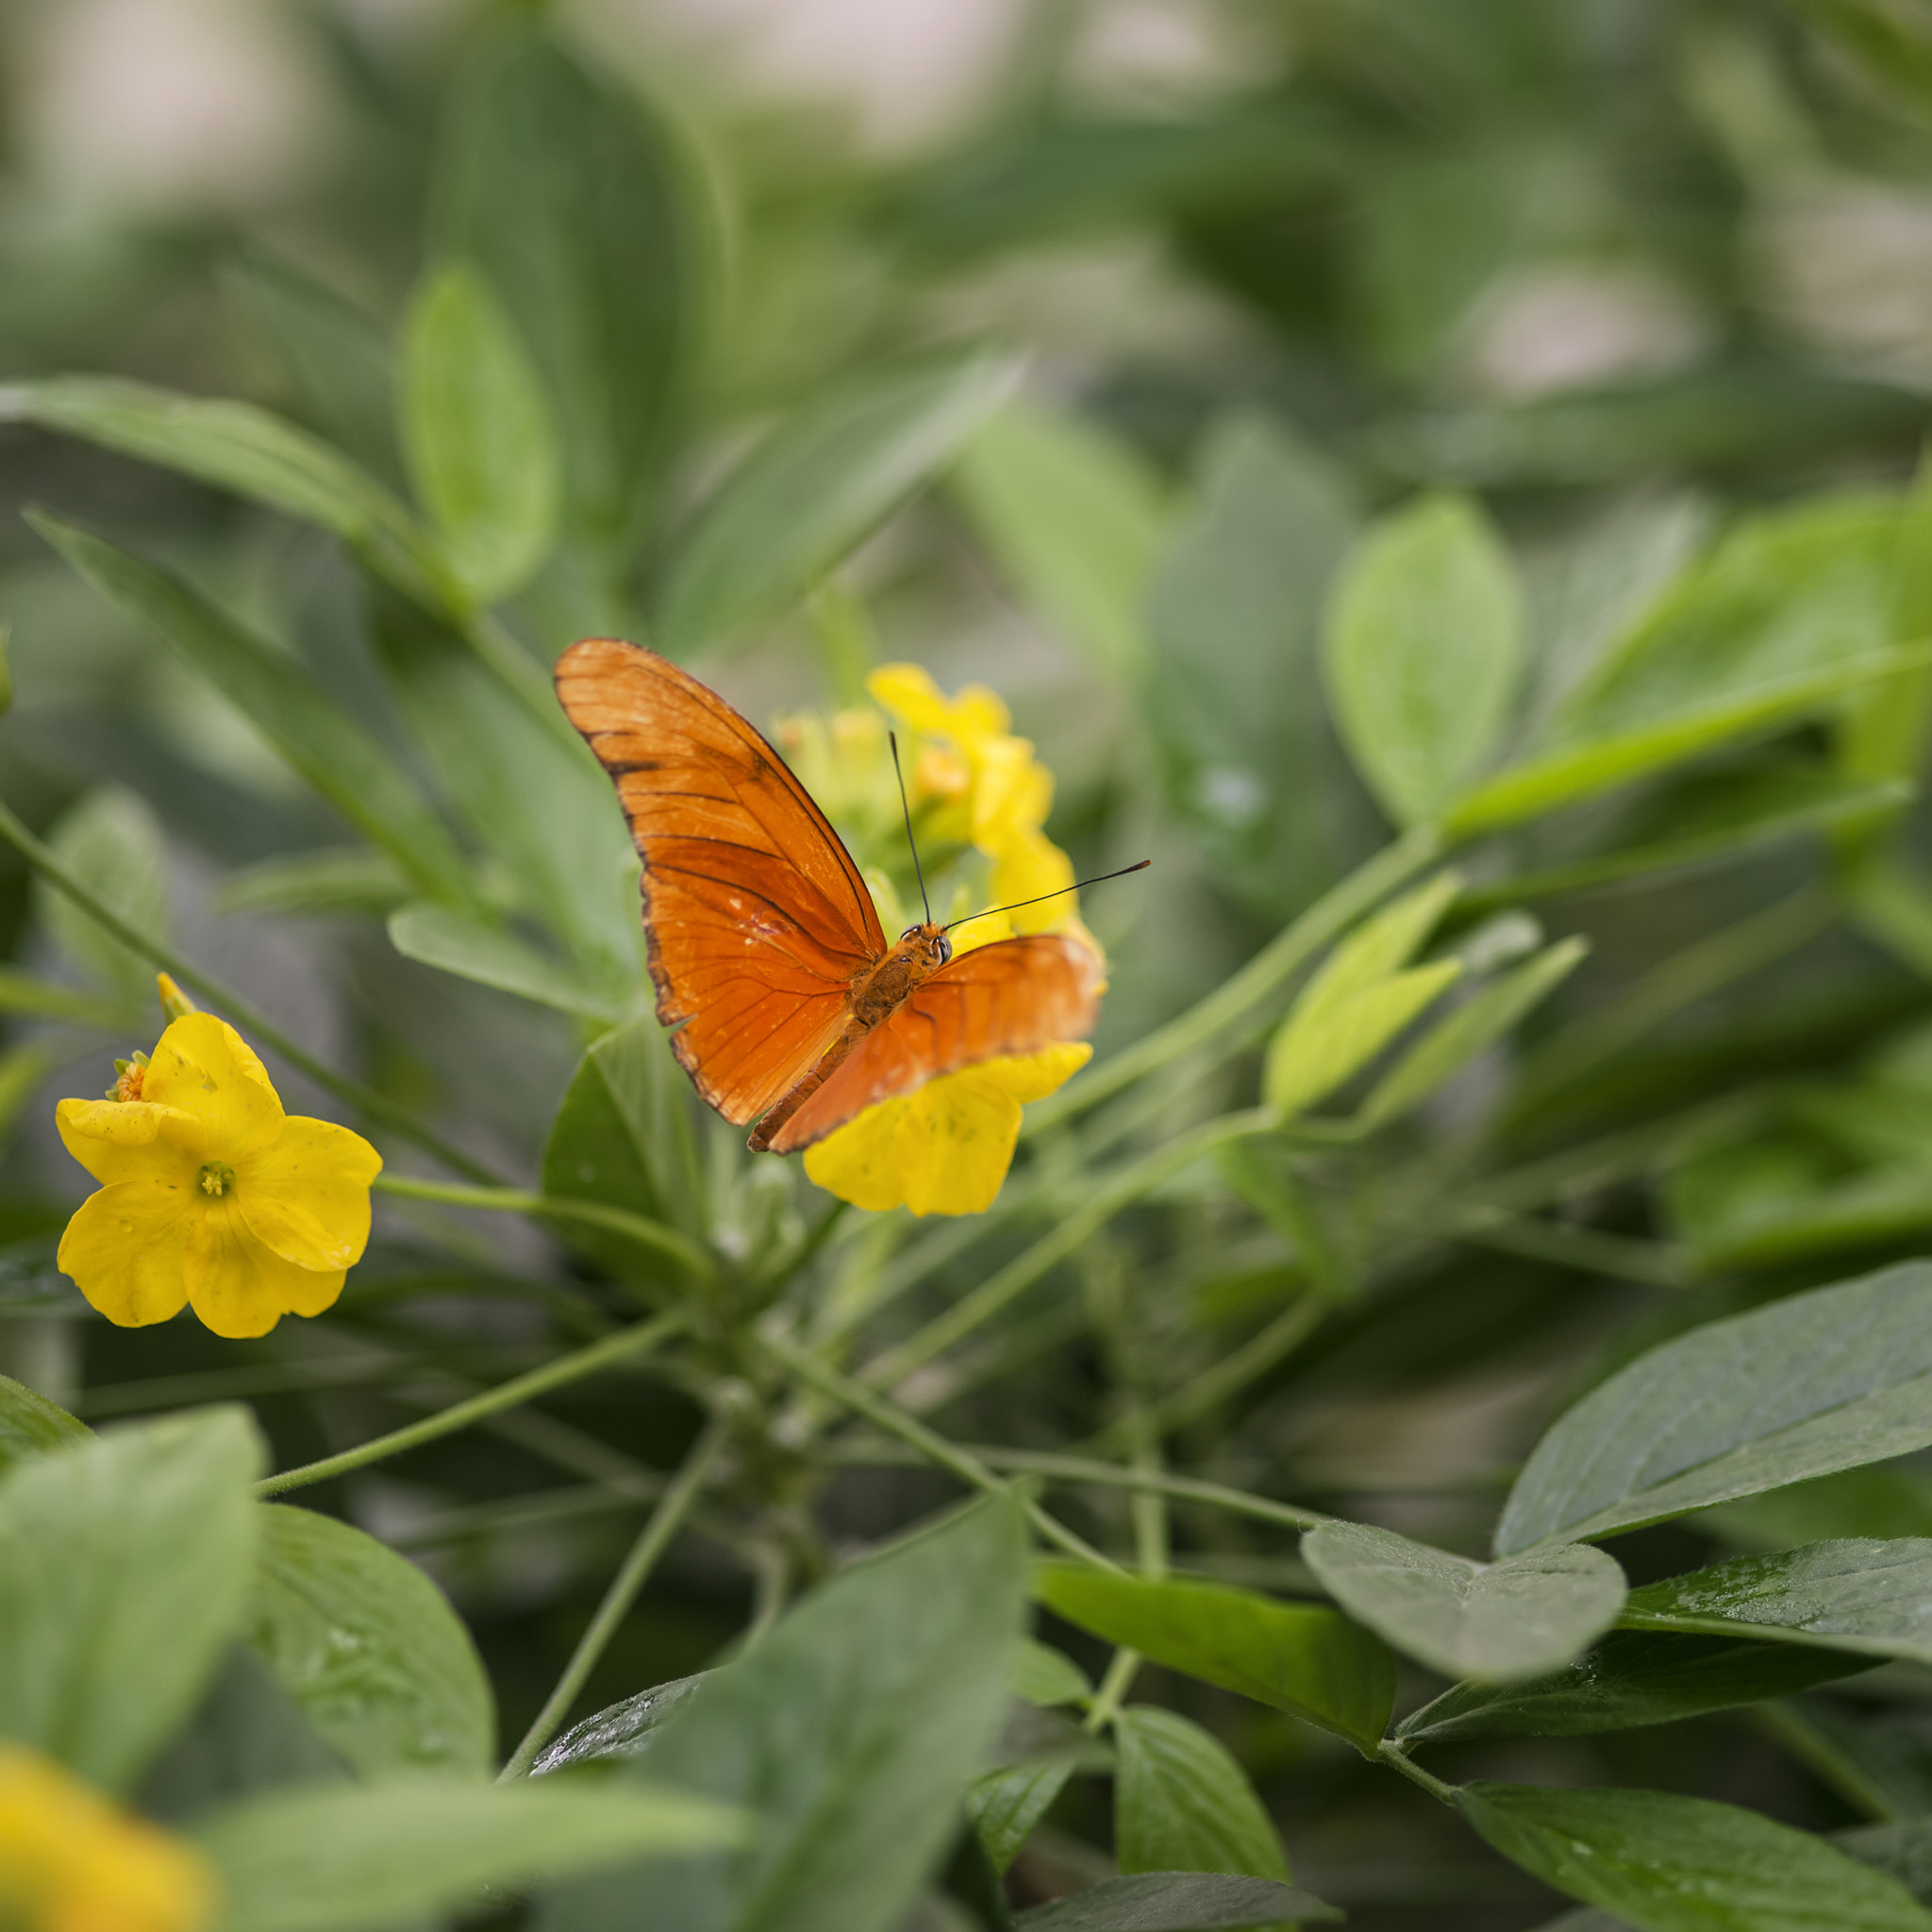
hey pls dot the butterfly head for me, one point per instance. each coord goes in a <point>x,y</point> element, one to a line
<point>929,944</point>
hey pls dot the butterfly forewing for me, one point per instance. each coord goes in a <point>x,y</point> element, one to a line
<point>755,915</point>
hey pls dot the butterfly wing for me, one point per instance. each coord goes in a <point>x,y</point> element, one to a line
<point>1015,996</point>
<point>754,916</point>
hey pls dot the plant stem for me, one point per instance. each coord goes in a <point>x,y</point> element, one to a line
<point>1019,1273</point>
<point>1239,996</point>
<point>659,1529</point>
<point>1253,1360</point>
<point>893,1420</point>
<point>1120,1673</point>
<point>569,1368</point>
<point>668,1242</point>
<point>1391,1753</point>
<point>376,1108</point>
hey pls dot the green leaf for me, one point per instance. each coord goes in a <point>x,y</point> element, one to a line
<point>1043,1675</point>
<point>369,1649</point>
<point>332,878</point>
<point>237,447</point>
<point>1379,946</point>
<point>1423,653</point>
<point>128,1559</point>
<point>849,1730</point>
<point>111,842</point>
<point>1631,1679</point>
<point>474,947</point>
<point>476,427</point>
<point>361,1857</point>
<point>1299,1657</point>
<point>31,1424</point>
<point>815,488</point>
<point>620,1730</point>
<point>1176,1902</point>
<point>1249,759</point>
<point>1515,1619</point>
<point>1672,1864</point>
<point>332,752</point>
<point>1886,1500</point>
<point>1182,1804</point>
<point>1856,1593</point>
<point>1073,518</point>
<point>1822,1381</point>
<point>1483,1019</point>
<point>1318,1048</point>
<point>1007,1804</point>
<point>591,226</point>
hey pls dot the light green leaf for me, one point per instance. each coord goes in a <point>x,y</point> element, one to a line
<point>332,878</point>
<point>1821,1381</point>
<point>849,1731</point>
<point>1515,1619</point>
<point>111,842</point>
<point>340,1858</point>
<point>31,1424</point>
<point>1074,517</point>
<point>1176,1902</point>
<point>1007,1804</point>
<point>1423,653</point>
<point>1379,946</point>
<point>815,488</point>
<point>369,1649</point>
<point>1298,1657</point>
<point>128,1559</point>
<point>330,748</point>
<point>474,947</point>
<point>1182,1804</point>
<point>1317,1050</point>
<point>1631,1679</point>
<point>1666,1864</point>
<point>475,428</point>
<point>619,1730</point>
<point>1488,1016</point>
<point>1856,1593</point>
<point>1044,1675</point>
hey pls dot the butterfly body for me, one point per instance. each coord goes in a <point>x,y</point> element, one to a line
<point>790,1007</point>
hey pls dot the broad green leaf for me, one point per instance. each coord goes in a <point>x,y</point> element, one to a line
<point>1250,757</point>
<point>1889,1500</point>
<point>340,1857</point>
<point>1821,1381</point>
<point>1486,1016</point>
<point>476,431</point>
<point>1176,1902</point>
<point>1631,1679</point>
<point>1514,1619</point>
<point>1380,947</point>
<point>46,999</point>
<point>1044,1675</point>
<point>1551,780</point>
<point>619,1730</point>
<point>1299,1657</point>
<point>1073,518</point>
<point>1903,1850</point>
<point>1182,1804</point>
<point>369,1649</point>
<point>1423,653</point>
<point>249,450</point>
<point>320,741</point>
<point>111,842</point>
<point>1006,1805</point>
<point>128,1561</point>
<point>1666,1864</point>
<point>588,222</point>
<point>1318,1049</point>
<point>478,948</point>
<point>1857,1593</point>
<point>815,488</point>
<point>333,878</point>
<point>849,1731</point>
<point>31,1424</point>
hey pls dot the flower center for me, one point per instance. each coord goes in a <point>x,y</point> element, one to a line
<point>217,1177</point>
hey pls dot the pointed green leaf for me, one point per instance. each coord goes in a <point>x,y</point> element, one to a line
<point>1176,1902</point>
<point>1316,1050</point>
<point>620,1730</point>
<point>1182,1804</point>
<point>111,842</point>
<point>31,1424</point>
<point>1046,1676</point>
<point>474,947</point>
<point>1006,1805</point>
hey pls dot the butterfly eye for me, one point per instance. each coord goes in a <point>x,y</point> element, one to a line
<point>912,932</point>
<point>944,948</point>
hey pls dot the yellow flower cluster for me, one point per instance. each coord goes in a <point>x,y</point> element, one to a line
<point>70,1862</point>
<point>210,1195</point>
<point>973,786</point>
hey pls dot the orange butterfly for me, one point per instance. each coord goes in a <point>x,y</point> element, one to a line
<point>764,945</point>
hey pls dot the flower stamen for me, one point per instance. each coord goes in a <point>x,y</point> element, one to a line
<point>216,1177</point>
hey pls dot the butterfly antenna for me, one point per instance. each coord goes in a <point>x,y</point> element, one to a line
<point>918,870</point>
<point>1099,880</point>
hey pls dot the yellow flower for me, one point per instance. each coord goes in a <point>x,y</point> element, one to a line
<point>946,1148</point>
<point>212,1195</point>
<point>70,1862</point>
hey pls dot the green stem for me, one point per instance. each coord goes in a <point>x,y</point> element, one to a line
<point>668,1242</point>
<point>1233,1372</point>
<point>1119,1680</point>
<point>376,1108</point>
<point>663,1525</point>
<point>1236,997</point>
<point>893,1420</point>
<point>1391,1753</point>
<point>615,1348</point>
<point>1020,1273</point>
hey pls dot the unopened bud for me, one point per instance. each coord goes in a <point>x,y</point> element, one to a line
<point>175,1005</point>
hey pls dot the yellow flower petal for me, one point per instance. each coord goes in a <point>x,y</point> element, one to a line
<point>1027,867</point>
<point>127,1246</point>
<point>1029,1076</point>
<point>307,1196</point>
<point>131,1140</point>
<point>205,1068</point>
<point>908,692</point>
<point>238,1286</point>
<point>860,1162</point>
